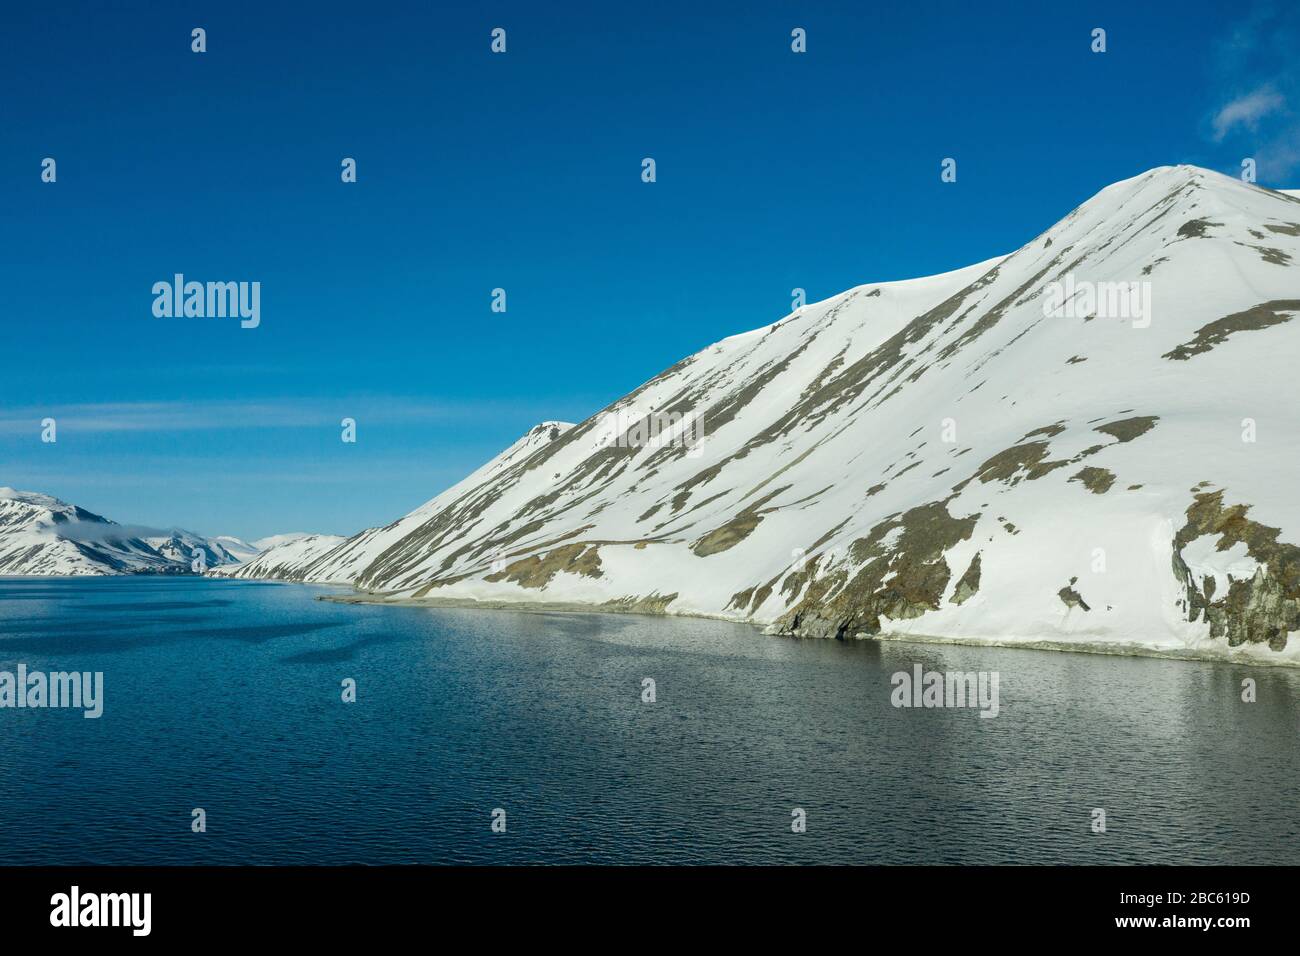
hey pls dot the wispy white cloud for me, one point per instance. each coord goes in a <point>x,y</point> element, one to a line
<point>94,532</point>
<point>1246,111</point>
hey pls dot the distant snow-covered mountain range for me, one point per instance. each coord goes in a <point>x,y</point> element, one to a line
<point>1088,443</point>
<point>41,535</point>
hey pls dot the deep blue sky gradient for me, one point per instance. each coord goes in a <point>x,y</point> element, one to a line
<point>522,170</point>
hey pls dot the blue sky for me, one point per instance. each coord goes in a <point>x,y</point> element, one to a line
<point>775,170</point>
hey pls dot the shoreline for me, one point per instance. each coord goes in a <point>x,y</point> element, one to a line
<point>1235,656</point>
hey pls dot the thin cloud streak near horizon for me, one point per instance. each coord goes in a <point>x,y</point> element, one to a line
<point>255,414</point>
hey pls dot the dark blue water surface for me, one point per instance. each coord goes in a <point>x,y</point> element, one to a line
<point>227,696</point>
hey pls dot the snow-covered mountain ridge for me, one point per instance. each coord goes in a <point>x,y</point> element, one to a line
<point>1085,443</point>
<point>41,535</point>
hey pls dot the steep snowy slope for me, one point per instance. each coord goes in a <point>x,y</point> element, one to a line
<point>285,561</point>
<point>1019,451</point>
<point>326,559</point>
<point>41,535</point>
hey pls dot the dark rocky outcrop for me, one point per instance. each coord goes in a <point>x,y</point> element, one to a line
<point>1262,610</point>
<point>902,574</point>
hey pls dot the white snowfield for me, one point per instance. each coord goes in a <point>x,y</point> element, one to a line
<point>262,544</point>
<point>964,457</point>
<point>41,535</point>
<point>280,561</point>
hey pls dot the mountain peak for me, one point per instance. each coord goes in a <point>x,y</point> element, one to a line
<point>32,498</point>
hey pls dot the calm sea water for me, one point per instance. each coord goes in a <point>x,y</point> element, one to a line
<point>227,696</point>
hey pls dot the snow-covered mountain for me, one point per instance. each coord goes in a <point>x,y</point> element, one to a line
<point>1020,451</point>
<point>183,547</point>
<point>232,550</point>
<point>329,559</point>
<point>284,561</point>
<point>41,535</point>
<point>262,544</point>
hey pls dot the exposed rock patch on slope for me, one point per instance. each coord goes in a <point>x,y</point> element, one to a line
<point>1252,600</point>
<point>1215,333</point>
<point>901,573</point>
